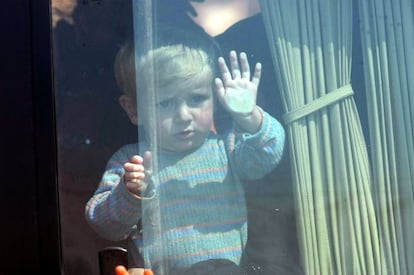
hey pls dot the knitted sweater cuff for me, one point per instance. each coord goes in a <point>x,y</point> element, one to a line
<point>260,137</point>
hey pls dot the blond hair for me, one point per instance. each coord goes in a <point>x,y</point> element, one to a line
<point>170,64</point>
<point>165,65</point>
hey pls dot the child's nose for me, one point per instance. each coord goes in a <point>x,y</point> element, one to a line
<point>183,112</point>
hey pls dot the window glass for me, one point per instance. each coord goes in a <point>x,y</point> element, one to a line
<point>92,124</point>
<point>170,152</point>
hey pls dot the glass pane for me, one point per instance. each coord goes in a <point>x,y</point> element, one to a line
<point>167,153</point>
<point>90,123</point>
<point>94,122</point>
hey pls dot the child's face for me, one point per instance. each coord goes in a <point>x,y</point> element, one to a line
<point>184,114</point>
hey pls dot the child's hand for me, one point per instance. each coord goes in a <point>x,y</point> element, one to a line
<point>236,90</point>
<point>136,170</point>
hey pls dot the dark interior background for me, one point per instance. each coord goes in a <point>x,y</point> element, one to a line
<point>29,241</point>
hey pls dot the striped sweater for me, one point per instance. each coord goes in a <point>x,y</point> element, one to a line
<point>199,210</point>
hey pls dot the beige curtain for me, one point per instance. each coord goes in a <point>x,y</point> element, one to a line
<point>387,32</point>
<point>311,47</point>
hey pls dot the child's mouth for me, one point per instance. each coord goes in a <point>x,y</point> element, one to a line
<point>185,134</point>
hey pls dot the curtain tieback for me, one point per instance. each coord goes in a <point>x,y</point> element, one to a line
<point>319,103</point>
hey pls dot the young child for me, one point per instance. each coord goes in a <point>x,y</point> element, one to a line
<point>192,206</point>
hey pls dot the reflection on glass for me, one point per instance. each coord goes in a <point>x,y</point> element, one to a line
<point>312,50</point>
<point>85,44</point>
<point>202,173</point>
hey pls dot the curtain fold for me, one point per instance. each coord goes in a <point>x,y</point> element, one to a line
<point>387,35</point>
<point>310,43</point>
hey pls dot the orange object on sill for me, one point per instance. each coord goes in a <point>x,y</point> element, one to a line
<point>121,270</point>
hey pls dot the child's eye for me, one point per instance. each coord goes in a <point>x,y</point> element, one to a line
<point>197,99</point>
<point>165,104</point>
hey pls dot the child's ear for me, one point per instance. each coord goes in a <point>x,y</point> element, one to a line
<point>130,107</point>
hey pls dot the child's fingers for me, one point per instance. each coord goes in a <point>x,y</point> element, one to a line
<point>134,182</point>
<point>136,187</point>
<point>257,74</point>
<point>245,67</point>
<point>136,159</point>
<point>221,91</point>
<point>234,65</point>
<point>132,167</point>
<point>224,70</point>
<point>134,176</point>
<point>147,163</point>
<point>136,172</point>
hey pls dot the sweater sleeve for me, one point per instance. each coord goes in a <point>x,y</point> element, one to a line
<point>255,155</point>
<point>113,212</point>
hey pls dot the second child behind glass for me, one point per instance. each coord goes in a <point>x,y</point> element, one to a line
<point>197,187</point>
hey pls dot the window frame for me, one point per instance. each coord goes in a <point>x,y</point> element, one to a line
<point>29,197</point>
